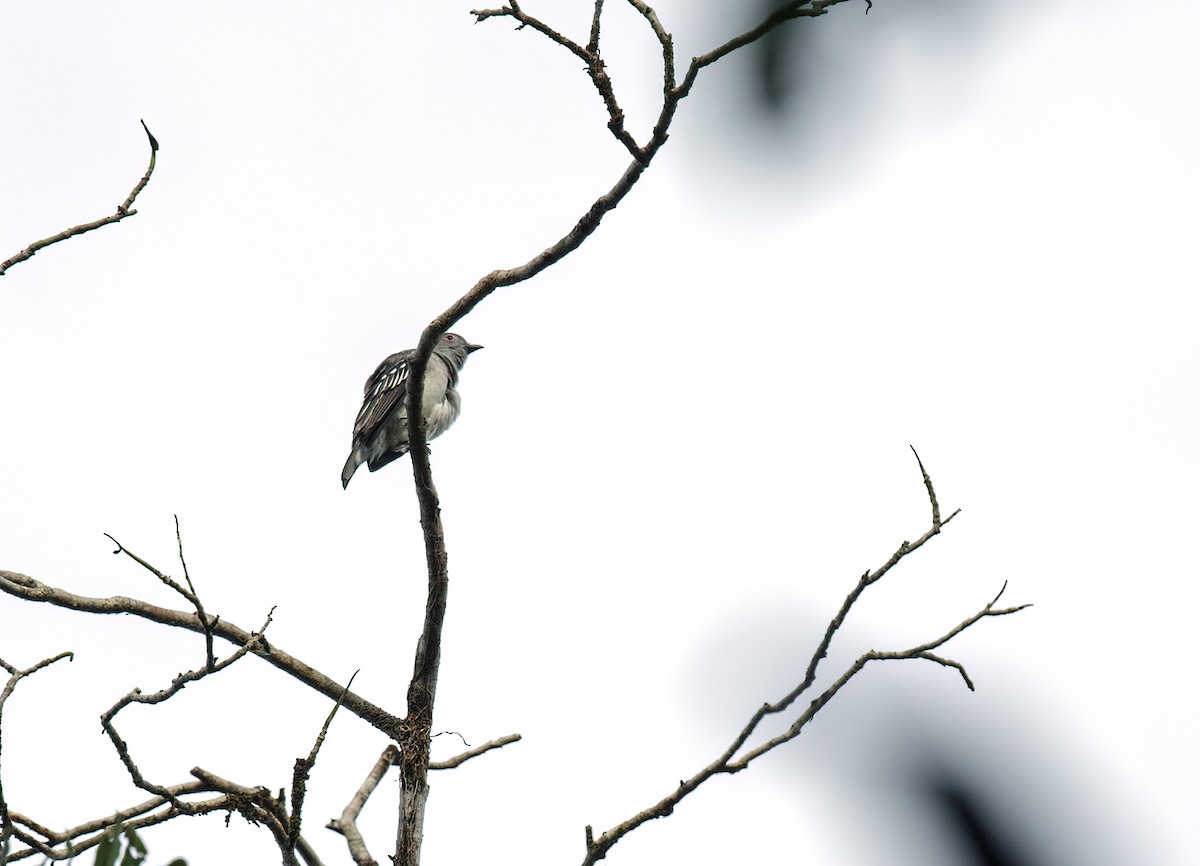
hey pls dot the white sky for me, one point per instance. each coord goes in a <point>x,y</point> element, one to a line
<point>680,448</point>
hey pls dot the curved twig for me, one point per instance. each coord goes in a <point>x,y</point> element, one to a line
<point>123,210</point>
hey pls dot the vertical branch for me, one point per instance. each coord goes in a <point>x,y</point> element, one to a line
<point>422,688</point>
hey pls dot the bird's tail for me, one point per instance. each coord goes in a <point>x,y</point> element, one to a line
<point>352,463</point>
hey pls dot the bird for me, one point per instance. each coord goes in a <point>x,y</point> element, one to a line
<point>381,428</point>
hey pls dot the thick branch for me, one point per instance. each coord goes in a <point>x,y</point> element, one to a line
<point>123,210</point>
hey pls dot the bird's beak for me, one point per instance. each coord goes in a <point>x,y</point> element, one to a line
<point>471,347</point>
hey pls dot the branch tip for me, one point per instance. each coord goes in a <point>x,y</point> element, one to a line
<point>149,135</point>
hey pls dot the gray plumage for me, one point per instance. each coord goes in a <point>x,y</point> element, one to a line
<point>381,428</point>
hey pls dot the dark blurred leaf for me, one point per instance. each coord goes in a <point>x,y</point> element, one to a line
<point>135,849</point>
<point>109,848</point>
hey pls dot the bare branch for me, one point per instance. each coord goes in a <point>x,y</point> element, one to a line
<point>728,762</point>
<point>209,654</point>
<point>123,210</point>
<point>15,676</point>
<point>189,594</point>
<point>62,845</point>
<point>259,807</point>
<point>347,822</point>
<point>594,64</point>
<point>304,767</point>
<point>457,760</point>
<point>25,587</point>
<point>787,12</point>
<point>593,45</point>
<point>137,697</point>
<point>918,652</point>
<point>937,515</point>
<point>664,39</point>
<point>514,11</point>
<point>165,578</point>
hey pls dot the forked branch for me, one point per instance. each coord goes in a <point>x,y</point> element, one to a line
<point>737,757</point>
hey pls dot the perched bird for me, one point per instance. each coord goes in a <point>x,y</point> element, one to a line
<point>381,428</point>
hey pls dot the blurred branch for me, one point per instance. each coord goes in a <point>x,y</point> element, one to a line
<point>25,587</point>
<point>125,209</point>
<point>422,688</point>
<point>729,762</point>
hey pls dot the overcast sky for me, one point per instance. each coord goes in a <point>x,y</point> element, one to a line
<point>970,227</point>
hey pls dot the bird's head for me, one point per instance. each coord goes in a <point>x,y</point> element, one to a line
<point>454,348</point>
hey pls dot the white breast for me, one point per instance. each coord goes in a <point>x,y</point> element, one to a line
<point>442,415</point>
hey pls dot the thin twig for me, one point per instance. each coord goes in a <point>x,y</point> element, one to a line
<point>123,210</point>
<point>137,697</point>
<point>787,12</point>
<point>162,576</point>
<point>937,514</point>
<point>304,767</point>
<point>590,55</point>
<point>78,839</point>
<point>451,763</point>
<point>15,676</point>
<point>514,11</point>
<point>209,654</point>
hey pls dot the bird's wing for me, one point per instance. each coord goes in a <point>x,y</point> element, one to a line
<point>384,391</point>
